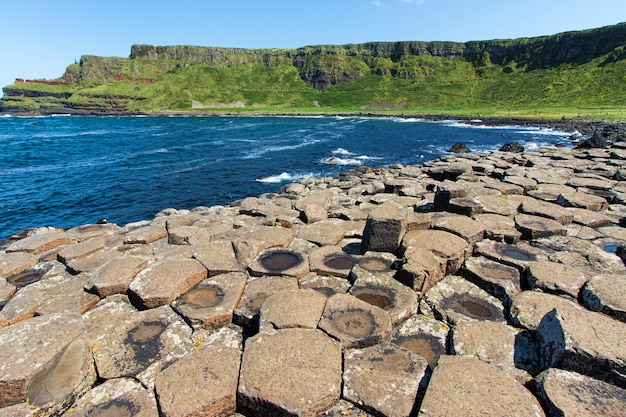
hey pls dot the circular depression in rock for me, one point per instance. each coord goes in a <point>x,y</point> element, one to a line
<point>355,322</point>
<point>339,262</point>
<point>375,264</point>
<point>374,296</point>
<point>471,306</point>
<point>204,297</point>
<point>25,278</point>
<point>499,271</point>
<point>280,260</point>
<point>426,345</point>
<point>517,254</point>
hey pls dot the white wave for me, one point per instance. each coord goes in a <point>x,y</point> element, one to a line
<point>283,177</point>
<point>341,151</point>
<point>408,119</point>
<point>262,151</point>
<point>333,160</point>
<point>6,115</point>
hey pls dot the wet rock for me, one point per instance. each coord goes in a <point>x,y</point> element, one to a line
<point>289,372</point>
<point>280,262</point>
<point>136,344</point>
<point>202,383</point>
<point>529,307</point>
<point>485,391</point>
<point>211,303</point>
<point>118,397</point>
<point>600,294</point>
<point>145,235</point>
<point>535,227</point>
<point>586,342</point>
<point>355,323</point>
<point>257,290</point>
<point>13,263</point>
<point>470,230</point>
<point>459,147</point>
<point>518,255</point>
<point>555,278</point>
<point>332,260</point>
<point>41,242</point>
<point>322,233</point>
<point>292,308</point>
<point>565,393</point>
<point>501,281</point>
<point>385,227</point>
<point>60,294</point>
<point>496,343</point>
<point>423,335</point>
<point>512,147</point>
<point>455,298</point>
<point>326,285</point>
<point>163,282</point>
<point>218,258</point>
<point>384,379</point>
<point>52,366</point>
<point>447,246</point>
<point>115,276</point>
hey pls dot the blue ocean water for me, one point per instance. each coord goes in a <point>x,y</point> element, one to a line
<point>68,171</point>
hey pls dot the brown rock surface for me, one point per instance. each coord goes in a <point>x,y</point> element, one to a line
<point>479,389</point>
<point>501,281</point>
<point>218,257</point>
<point>385,227</point>
<point>16,262</point>
<point>290,372</point>
<point>443,244</point>
<point>423,335</point>
<point>40,242</point>
<point>256,292</point>
<point>602,293</point>
<point>292,308</point>
<point>115,276</point>
<point>555,278</point>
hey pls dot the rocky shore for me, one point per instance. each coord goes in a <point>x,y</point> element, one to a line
<point>472,285</point>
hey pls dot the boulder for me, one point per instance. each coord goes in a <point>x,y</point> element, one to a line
<point>383,378</point>
<point>480,389</point>
<point>459,147</point>
<point>548,210</point>
<point>518,255</point>
<point>566,393</point>
<point>312,213</point>
<point>582,200</point>
<point>421,270</point>
<point>512,147</point>
<point>499,228</point>
<point>202,383</point>
<point>289,372</point>
<point>81,250</point>
<point>328,232</point>
<point>355,323</point>
<point>52,366</point>
<point>145,235</point>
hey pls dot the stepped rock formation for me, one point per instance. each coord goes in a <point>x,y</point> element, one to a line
<point>486,284</point>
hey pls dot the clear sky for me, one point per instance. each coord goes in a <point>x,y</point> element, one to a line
<point>40,38</point>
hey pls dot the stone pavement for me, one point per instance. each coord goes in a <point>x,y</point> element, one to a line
<point>476,284</point>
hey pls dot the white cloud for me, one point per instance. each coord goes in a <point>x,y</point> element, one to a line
<point>380,4</point>
<point>414,1</point>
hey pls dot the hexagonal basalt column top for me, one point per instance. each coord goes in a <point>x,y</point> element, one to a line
<point>280,262</point>
<point>290,372</point>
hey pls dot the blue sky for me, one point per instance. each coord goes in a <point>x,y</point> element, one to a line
<point>41,37</point>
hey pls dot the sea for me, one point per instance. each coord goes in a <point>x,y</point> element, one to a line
<point>65,171</point>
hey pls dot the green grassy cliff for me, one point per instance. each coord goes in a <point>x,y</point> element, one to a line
<point>574,73</point>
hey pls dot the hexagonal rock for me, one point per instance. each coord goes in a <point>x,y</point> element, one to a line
<point>280,262</point>
<point>115,276</point>
<point>548,210</point>
<point>41,242</point>
<point>327,232</point>
<point>443,244</point>
<point>355,323</point>
<point>289,372</point>
<point>583,341</point>
<point>502,205</point>
<point>211,303</point>
<point>119,397</point>
<point>423,335</point>
<point>455,298</point>
<point>480,389</point>
<point>528,307</point>
<point>91,262</point>
<point>383,378</point>
<point>52,365</point>
<point>555,278</point>
<point>16,262</point>
<point>582,200</point>
<point>501,281</point>
<point>518,255</point>
<point>422,270</point>
<point>326,285</point>
<point>524,182</point>
<point>129,343</point>
<point>332,260</point>
<point>80,250</point>
<point>145,235</point>
<point>565,393</point>
<point>385,292</point>
<point>496,343</point>
<point>374,263</point>
<point>470,230</point>
<point>60,294</point>
<point>600,294</point>
<point>202,383</point>
<point>535,227</point>
<point>292,308</point>
<point>161,283</point>
<point>312,213</point>
<point>218,257</point>
<point>385,226</point>
<point>256,292</point>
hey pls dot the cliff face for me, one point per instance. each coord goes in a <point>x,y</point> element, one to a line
<point>166,76</point>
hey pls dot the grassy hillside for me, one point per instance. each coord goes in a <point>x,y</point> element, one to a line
<point>578,73</point>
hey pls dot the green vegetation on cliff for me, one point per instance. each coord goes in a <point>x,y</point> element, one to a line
<point>575,73</point>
